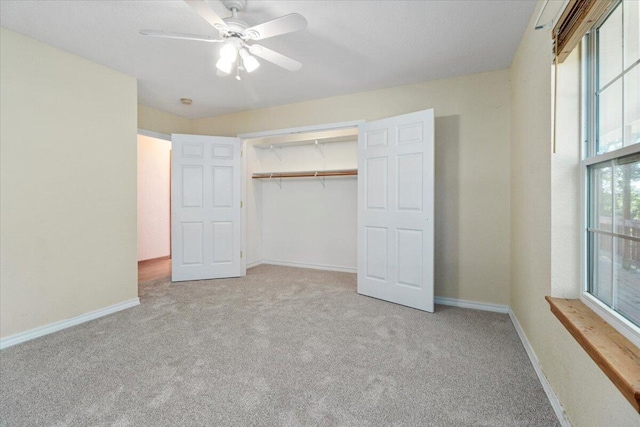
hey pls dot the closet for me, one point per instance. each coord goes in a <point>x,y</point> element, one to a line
<point>305,197</point>
<point>354,197</point>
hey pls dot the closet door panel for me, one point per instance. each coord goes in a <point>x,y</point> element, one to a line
<point>376,176</point>
<point>377,253</point>
<point>192,185</point>
<point>205,207</point>
<point>395,194</point>
<point>192,249</point>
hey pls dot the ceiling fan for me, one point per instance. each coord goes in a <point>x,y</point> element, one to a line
<point>237,35</point>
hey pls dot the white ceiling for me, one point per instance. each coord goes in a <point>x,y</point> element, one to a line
<point>348,47</point>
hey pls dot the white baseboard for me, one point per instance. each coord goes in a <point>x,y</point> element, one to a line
<point>63,324</point>
<point>312,266</point>
<point>254,264</point>
<point>454,302</point>
<point>553,399</point>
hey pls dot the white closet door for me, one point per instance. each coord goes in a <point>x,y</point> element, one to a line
<point>206,230</point>
<point>395,209</point>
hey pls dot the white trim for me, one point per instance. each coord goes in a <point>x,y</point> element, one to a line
<point>312,266</point>
<point>553,399</point>
<point>63,324</point>
<point>589,128</point>
<point>243,211</point>
<point>617,321</point>
<point>328,126</point>
<point>552,23</point>
<point>152,134</point>
<point>455,302</point>
<point>611,155</point>
<point>585,149</point>
<point>254,264</point>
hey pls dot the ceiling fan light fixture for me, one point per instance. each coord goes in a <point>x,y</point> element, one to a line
<point>250,63</point>
<point>229,50</point>
<point>224,65</point>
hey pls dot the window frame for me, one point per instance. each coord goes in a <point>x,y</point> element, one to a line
<point>589,118</point>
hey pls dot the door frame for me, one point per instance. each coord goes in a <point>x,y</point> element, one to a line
<point>156,135</point>
<point>281,132</point>
<point>302,129</point>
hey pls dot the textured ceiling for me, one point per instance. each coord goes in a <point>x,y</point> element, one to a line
<point>348,47</point>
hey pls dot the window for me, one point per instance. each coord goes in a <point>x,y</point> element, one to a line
<point>612,166</point>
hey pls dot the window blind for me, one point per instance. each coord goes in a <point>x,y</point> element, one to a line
<point>576,20</point>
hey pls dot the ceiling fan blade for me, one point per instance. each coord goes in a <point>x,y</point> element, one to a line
<point>180,36</point>
<point>275,57</point>
<point>211,11</point>
<point>283,25</point>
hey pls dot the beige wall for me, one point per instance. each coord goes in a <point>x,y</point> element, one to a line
<point>544,191</point>
<point>154,193</point>
<point>68,185</point>
<point>161,121</point>
<point>472,167</point>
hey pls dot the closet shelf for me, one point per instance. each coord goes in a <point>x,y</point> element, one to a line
<point>308,138</point>
<point>305,174</point>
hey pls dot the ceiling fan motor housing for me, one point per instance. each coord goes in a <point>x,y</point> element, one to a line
<point>236,27</point>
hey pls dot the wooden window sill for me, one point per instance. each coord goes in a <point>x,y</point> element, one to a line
<point>618,357</point>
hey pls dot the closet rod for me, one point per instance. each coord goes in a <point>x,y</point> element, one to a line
<point>311,174</point>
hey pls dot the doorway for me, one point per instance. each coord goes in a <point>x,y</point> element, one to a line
<point>154,206</point>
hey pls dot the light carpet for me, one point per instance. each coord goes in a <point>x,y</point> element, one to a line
<point>280,347</point>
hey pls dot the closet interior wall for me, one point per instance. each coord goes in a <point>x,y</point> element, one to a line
<point>306,222</point>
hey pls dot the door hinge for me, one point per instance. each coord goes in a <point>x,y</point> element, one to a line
<point>241,153</point>
<point>240,254</point>
<point>241,203</point>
